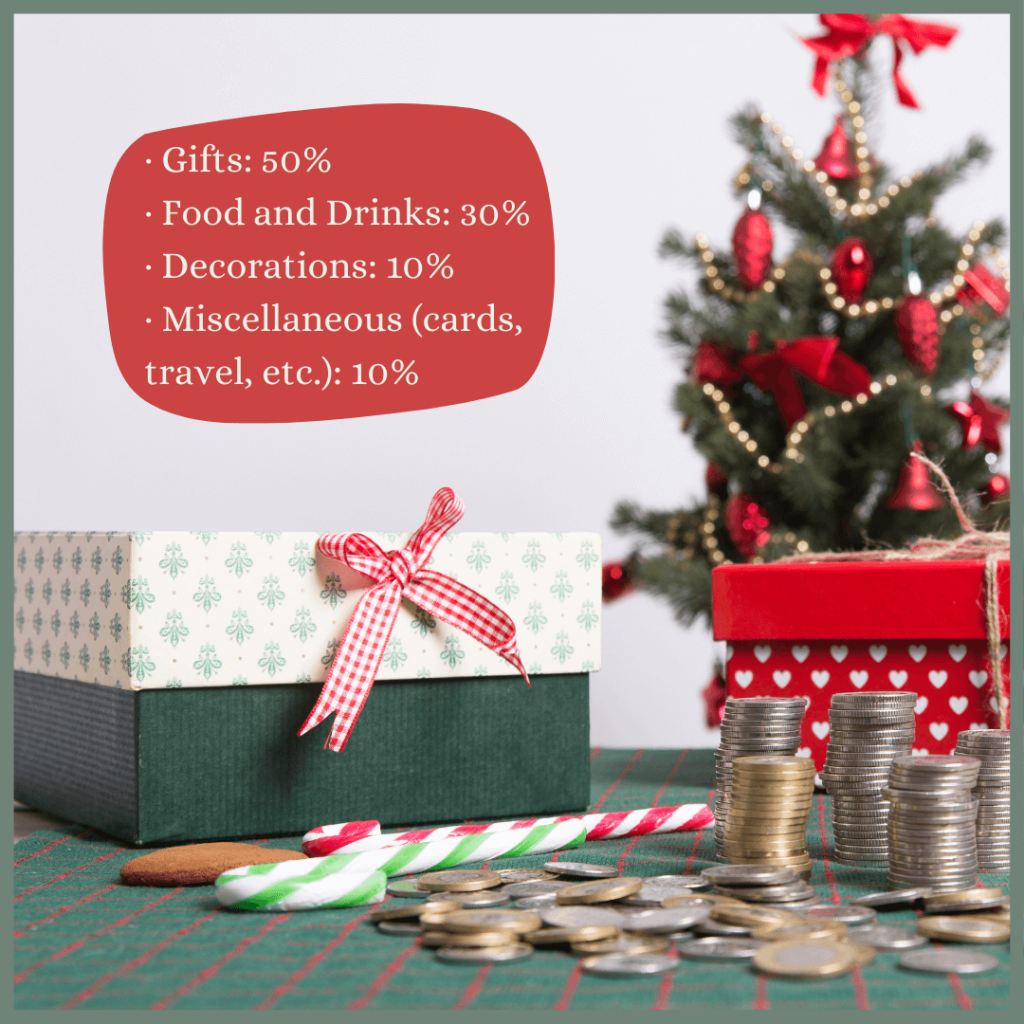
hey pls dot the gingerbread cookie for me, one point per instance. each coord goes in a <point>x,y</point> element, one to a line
<point>199,864</point>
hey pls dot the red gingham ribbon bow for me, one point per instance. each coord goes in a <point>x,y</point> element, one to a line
<point>847,33</point>
<point>400,574</point>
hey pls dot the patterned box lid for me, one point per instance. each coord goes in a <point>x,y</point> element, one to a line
<point>175,609</point>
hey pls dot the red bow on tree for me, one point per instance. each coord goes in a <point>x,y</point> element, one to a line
<point>847,33</point>
<point>818,359</point>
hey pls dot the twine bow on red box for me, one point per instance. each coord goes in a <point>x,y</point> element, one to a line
<point>400,574</point>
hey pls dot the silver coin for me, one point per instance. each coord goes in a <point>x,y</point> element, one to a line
<point>656,889</point>
<point>408,888</point>
<point>576,869</point>
<point>715,947</point>
<point>535,902</point>
<point>510,875</point>
<point>579,916</point>
<point>540,887</point>
<point>711,927</point>
<point>972,906</point>
<point>666,920</point>
<point>847,914</point>
<point>474,900</point>
<point>885,899</point>
<point>748,874</point>
<point>485,954</point>
<point>957,961</point>
<point>886,937</point>
<point>399,927</point>
<point>629,963</point>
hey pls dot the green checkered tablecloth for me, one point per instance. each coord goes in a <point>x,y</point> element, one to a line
<point>84,940</point>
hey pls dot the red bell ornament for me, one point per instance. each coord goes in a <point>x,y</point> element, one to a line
<point>837,158</point>
<point>913,488</point>
<point>752,249</point>
<point>852,268</point>
<point>917,327</point>
<point>747,524</point>
<point>616,581</point>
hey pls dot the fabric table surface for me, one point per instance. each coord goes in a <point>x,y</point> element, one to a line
<point>84,940</point>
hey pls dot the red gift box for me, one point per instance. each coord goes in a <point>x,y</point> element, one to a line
<point>819,628</point>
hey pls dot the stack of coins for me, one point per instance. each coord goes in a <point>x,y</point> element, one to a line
<point>866,732</point>
<point>992,748</point>
<point>932,838</point>
<point>768,808</point>
<point>750,726</point>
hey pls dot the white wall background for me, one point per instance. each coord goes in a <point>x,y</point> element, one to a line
<point>629,117</point>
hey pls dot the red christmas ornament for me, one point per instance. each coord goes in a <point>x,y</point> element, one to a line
<point>616,581</point>
<point>714,700</point>
<point>752,249</point>
<point>717,481</point>
<point>917,327</point>
<point>836,158</point>
<point>970,423</point>
<point>981,420</point>
<point>997,489</point>
<point>982,286</point>
<point>715,363</point>
<point>852,268</point>
<point>747,524</point>
<point>913,488</point>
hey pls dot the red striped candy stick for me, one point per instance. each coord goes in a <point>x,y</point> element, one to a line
<point>327,839</point>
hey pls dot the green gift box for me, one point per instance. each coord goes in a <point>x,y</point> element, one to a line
<point>161,679</point>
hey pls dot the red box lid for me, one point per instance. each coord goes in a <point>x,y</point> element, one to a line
<point>855,601</point>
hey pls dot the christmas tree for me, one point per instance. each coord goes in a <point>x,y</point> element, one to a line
<point>811,377</point>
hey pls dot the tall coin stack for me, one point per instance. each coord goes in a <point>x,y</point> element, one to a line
<point>932,839</point>
<point>866,732</point>
<point>992,748</point>
<point>768,809</point>
<point>752,725</point>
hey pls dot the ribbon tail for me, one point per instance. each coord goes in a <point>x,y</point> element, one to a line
<point>820,77</point>
<point>905,96</point>
<point>469,612</point>
<point>355,664</point>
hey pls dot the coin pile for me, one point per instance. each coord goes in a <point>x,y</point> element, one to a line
<point>866,732</point>
<point>766,823</point>
<point>752,725</point>
<point>761,883</point>
<point>932,837</point>
<point>992,748</point>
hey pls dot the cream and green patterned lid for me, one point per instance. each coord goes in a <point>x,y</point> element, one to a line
<point>155,610</point>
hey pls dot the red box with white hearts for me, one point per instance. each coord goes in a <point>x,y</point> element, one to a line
<point>822,628</point>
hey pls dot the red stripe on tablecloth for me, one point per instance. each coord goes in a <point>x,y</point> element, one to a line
<point>474,988</point>
<point>615,785</point>
<point>89,992</point>
<point>665,985</point>
<point>384,977</point>
<point>570,987</point>
<point>214,968</point>
<point>761,996</point>
<point>860,987</point>
<point>57,878</point>
<point>698,835</point>
<point>286,986</point>
<point>654,803</point>
<point>963,1000</point>
<point>594,753</point>
<point>63,910</point>
<point>61,953</point>
<point>56,842</point>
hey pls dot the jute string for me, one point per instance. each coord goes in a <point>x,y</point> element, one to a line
<point>992,545</point>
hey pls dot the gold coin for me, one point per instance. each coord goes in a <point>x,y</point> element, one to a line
<point>683,899</point>
<point>625,942</point>
<point>394,912</point>
<point>1000,914</point>
<point>588,933</point>
<point>772,931</point>
<point>756,917</point>
<point>436,939</point>
<point>512,875</point>
<point>517,921</point>
<point>806,958</point>
<point>436,920</point>
<point>964,928</point>
<point>950,899</point>
<point>459,881</point>
<point>601,890</point>
<point>865,954</point>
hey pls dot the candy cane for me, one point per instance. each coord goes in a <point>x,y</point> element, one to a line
<point>263,887</point>
<point>320,842</point>
<point>310,889</point>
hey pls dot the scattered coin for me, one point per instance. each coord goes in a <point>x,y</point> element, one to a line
<point>625,942</point>
<point>886,937</point>
<point>523,874</point>
<point>950,900</point>
<point>538,887</point>
<point>601,891</point>
<point>518,921</point>
<point>399,927</point>
<point>459,881</point>
<point>945,961</point>
<point>479,899</point>
<point>660,887</point>
<point>712,927</point>
<point>588,933</point>
<point>468,939</point>
<point>708,899</point>
<point>714,947</point>
<point>756,916</point>
<point>885,899</point>
<point>748,874</point>
<point>663,921</point>
<point>535,902</point>
<point>408,888</point>
<point>964,929</point>
<point>580,916</point>
<point>806,930</point>
<point>576,869</point>
<point>393,912</point>
<point>485,954</point>
<point>629,963</point>
<point>806,958</point>
<point>847,914</point>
